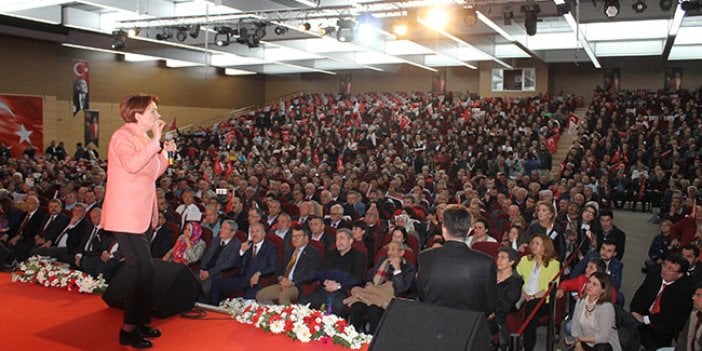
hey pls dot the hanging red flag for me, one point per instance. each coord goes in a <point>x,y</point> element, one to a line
<point>551,145</point>
<point>21,123</point>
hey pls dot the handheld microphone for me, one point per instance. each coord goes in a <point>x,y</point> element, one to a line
<point>171,154</point>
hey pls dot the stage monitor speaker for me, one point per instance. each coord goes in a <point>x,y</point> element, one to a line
<point>408,325</point>
<point>175,289</point>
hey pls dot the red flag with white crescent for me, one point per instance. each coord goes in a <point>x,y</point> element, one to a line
<point>21,123</point>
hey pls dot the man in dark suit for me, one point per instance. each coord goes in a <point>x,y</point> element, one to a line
<point>68,242</point>
<point>300,263</point>
<point>258,258</point>
<point>454,275</point>
<point>611,232</point>
<point>662,303</point>
<point>342,269</point>
<point>608,252</point>
<point>94,257</point>
<point>694,272</point>
<point>336,219</point>
<point>54,224</point>
<point>20,238</point>
<point>690,338</point>
<point>161,238</point>
<point>319,233</point>
<point>223,254</point>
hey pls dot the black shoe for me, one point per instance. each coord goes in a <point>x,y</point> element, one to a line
<point>134,339</point>
<point>149,331</point>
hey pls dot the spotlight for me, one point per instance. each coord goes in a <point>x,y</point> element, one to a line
<point>222,36</point>
<point>345,31</point>
<point>326,30</point>
<point>163,35</point>
<point>690,5</point>
<point>182,34</point>
<point>367,26</point>
<point>436,18</point>
<point>470,17</point>
<point>639,6</point>
<point>507,17</point>
<point>119,39</point>
<point>280,30</point>
<point>194,31</point>
<point>400,29</point>
<point>666,5</point>
<point>133,32</point>
<point>260,32</point>
<point>531,17</point>
<point>252,41</point>
<point>611,8</point>
<point>563,9</point>
<point>304,26</point>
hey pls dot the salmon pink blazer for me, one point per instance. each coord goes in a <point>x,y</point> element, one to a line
<point>133,165</point>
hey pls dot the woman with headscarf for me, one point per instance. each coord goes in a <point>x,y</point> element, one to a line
<point>189,246</point>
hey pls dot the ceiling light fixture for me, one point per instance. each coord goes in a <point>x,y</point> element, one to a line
<point>221,38</point>
<point>691,5</point>
<point>666,5</point>
<point>194,31</point>
<point>531,18</point>
<point>507,17</point>
<point>345,32</point>
<point>119,39</point>
<point>470,18</point>
<point>639,6</point>
<point>182,34</point>
<point>611,8</point>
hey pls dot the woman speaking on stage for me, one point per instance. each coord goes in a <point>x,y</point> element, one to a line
<point>134,161</point>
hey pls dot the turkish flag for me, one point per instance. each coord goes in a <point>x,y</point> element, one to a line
<point>21,123</point>
<point>552,144</point>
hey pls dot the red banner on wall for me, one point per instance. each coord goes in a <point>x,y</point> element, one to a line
<point>81,81</point>
<point>21,123</point>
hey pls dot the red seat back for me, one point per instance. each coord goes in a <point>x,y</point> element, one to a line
<point>487,248</point>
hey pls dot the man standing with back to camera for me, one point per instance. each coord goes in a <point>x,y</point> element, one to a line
<point>454,275</point>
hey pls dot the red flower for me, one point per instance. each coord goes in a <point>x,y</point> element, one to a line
<point>341,325</point>
<point>288,326</point>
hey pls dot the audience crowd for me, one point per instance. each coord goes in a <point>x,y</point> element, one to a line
<point>329,199</point>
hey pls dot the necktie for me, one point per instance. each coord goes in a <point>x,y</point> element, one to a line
<point>89,244</point>
<point>291,264</point>
<point>48,223</point>
<point>693,342</point>
<point>24,223</point>
<point>656,308</point>
<point>255,251</point>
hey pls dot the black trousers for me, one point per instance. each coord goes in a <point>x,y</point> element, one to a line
<point>139,274</point>
<point>530,331</point>
<point>359,312</point>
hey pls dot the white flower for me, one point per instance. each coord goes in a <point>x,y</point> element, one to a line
<point>277,326</point>
<point>302,332</point>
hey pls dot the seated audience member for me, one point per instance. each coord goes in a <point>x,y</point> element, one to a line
<point>361,236</point>
<point>662,303</point>
<point>188,211</point>
<point>588,228</point>
<point>546,224</point>
<point>509,291</point>
<point>20,238</point>
<point>258,258</point>
<point>685,230</point>
<point>512,237</point>
<point>480,233</point>
<point>212,220</point>
<point>161,238</point>
<point>221,255</point>
<point>55,222</point>
<point>95,257</point>
<point>537,269</point>
<point>608,253</point>
<point>399,234</point>
<point>342,269</point>
<point>68,242</point>
<point>594,322</point>
<point>392,276</point>
<point>690,338</point>
<point>611,232</point>
<point>189,246</point>
<point>318,233</point>
<point>660,246</point>
<point>336,219</point>
<point>577,284</point>
<point>282,229</point>
<point>691,253</point>
<point>300,264</point>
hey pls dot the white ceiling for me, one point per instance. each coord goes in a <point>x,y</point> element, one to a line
<point>88,24</point>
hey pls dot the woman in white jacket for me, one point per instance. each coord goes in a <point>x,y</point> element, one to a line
<point>593,320</point>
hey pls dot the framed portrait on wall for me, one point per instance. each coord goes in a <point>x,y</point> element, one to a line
<point>611,79</point>
<point>672,79</point>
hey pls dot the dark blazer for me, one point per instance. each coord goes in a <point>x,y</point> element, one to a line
<point>403,283</point>
<point>264,262</point>
<point>675,304</point>
<point>457,277</point>
<point>342,224</point>
<point>56,227</point>
<point>228,257</point>
<point>509,291</point>
<point>162,242</point>
<point>328,241</point>
<point>617,236</point>
<point>100,242</point>
<point>615,268</point>
<point>307,264</point>
<point>32,228</point>
<point>77,236</point>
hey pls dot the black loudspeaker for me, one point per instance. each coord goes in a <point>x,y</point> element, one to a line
<point>408,325</point>
<point>175,289</point>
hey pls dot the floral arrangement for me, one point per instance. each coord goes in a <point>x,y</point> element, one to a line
<point>47,272</point>
<point>296,321</point>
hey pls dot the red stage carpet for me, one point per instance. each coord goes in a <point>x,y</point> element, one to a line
<point>38,318</point>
